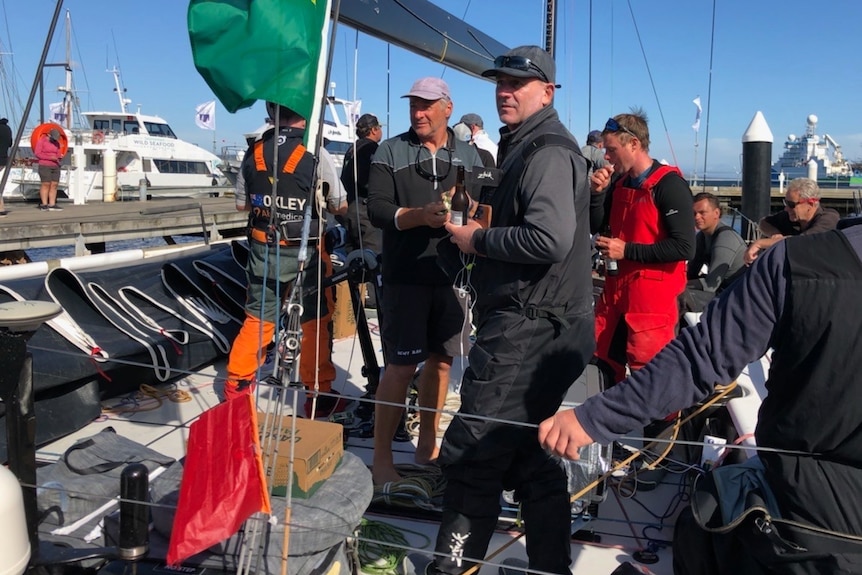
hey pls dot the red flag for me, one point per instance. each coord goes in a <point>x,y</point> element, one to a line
<point>223,479</point>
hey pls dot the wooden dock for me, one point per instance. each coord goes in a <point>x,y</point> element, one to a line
<point>27,227</point>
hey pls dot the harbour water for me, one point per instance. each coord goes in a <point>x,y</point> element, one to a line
<point>46,254</point>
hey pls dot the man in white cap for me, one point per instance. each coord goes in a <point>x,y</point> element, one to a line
<point>422,317</point>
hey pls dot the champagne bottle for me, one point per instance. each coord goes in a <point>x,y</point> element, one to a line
<point>611,265</point>
<point>460,201</point>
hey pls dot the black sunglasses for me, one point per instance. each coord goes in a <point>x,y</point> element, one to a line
<point>519,63</point>
<point>614,126</point>
<point>429,175</point>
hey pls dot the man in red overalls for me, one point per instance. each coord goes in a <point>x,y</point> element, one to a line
<point>643,210</point>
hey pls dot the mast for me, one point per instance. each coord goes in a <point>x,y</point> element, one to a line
<point>550,27</point>
<point>36,84</point>
<point>119,90</point>
<point>67,89</point>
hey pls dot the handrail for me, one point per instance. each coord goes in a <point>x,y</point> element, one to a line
<point>180,208</point>
<point>753,232</point>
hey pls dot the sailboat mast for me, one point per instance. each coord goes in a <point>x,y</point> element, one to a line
<point>551,27</point>
<point>37,82</point>
<point>67,95</point>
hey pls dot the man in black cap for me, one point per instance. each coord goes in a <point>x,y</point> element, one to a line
<point>594,151</point>
<point>534,322</point>
<point>354,176</point>
<point>480,138</point>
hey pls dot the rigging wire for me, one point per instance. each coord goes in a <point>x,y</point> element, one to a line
<point>464,18</point>
<point>709,95</point>
<point>652,83</point>
<point>590,72</point>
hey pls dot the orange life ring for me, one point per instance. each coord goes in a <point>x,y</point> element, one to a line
<point>44,130</point>
<point>98,137</point>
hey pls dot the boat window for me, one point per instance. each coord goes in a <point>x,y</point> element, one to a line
<point>181,167</point>
<point>337,148</point>
<point>162,130</point>
<point>116,125</point>
<point>130,127</point>
<point>102,125</point>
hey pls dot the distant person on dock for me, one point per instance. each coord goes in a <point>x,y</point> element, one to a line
<point>354,175</point>
<point>719,254</point>
<point>5,144</point>
<point>5,141</point>
<point>801,299</point>
<point>274,240</point>
<point>422,316</point>
<point>802,215</point>
<point>534,334</point>
<point>48,154</point>
<point>594,151</point>
<point>642,211</point>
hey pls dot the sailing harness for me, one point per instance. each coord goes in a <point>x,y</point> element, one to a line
<point>281,219</point>
<point>284,208</point>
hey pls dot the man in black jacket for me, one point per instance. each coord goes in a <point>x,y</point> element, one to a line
<point>354,176</point>
<point>361,234</point>
<point>801,299</point>
<point>534,327</point>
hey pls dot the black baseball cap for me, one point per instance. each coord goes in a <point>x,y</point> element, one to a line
<point>525,62</point>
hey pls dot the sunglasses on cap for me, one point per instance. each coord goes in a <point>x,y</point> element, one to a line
<point>519,63</point>
<point>791,204</point>
<point>613,126</point>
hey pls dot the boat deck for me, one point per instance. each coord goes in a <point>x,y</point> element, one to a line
<point>27,227</point>
<point>627,521</point>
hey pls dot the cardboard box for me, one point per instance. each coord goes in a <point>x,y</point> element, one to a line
<point>344,318</point>
<point>317,452</point>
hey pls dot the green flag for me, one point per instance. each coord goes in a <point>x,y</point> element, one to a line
<point>250,50</point>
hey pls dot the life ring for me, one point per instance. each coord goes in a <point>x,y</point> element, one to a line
<point>98,137</point>
<point>44,130</point>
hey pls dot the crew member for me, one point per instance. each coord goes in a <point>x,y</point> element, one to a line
<point>802,215</point>
<point>718,255</point>
<point>534,327</point>
<point>274,239</point>
<point>801,299</point>
<point>647,207</point>
<point>422,316</point>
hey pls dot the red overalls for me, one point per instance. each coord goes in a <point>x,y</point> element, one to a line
<point>644,295</point>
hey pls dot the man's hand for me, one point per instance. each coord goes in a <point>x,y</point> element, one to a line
<point>462,236</point>
<point>613,248</point>
<point>435,214</point>
<point>601,178</point>
<point>751,254</point>
<point>562,434</point>
<point>759,245</point>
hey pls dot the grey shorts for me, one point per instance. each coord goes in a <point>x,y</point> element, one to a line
<point>49,174</point>
<point>419,320</point>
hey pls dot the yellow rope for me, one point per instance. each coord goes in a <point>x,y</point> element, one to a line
<point>148,398</point>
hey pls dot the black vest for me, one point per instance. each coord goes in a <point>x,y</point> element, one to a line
<point>813,403</point>
<point>295,178</point>
<point>560,286</point>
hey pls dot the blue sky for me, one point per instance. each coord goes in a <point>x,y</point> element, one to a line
<point>786,58</point>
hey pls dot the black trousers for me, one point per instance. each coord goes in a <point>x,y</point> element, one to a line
<point>520,370</point>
